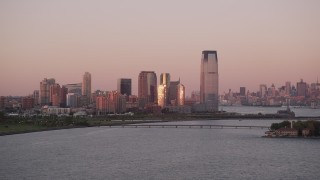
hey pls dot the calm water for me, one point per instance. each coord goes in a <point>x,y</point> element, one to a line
<point>159,153</point>
<point>303,111</point>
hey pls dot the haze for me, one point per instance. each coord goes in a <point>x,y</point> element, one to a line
<point>258,42</point>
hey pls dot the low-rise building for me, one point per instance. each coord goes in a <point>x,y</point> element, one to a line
<point>290,132</point>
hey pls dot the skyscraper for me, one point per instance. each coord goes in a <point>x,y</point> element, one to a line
<point>124,86</point>
<point>180,94</point>
<point>163,89</point>
<point>55,94</point>
<point>209,80</point>
<point>86,85</point>
<point>45,91</point>
<point>301,88</point>
<point>288,88</point>
<point>242,91</point>
<point>147,88</point>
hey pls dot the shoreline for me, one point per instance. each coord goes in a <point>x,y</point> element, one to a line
<point>103,121</point>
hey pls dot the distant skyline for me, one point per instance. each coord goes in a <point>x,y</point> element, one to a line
<point>257,42</point>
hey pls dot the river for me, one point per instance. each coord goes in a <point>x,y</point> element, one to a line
<point>159,153</point>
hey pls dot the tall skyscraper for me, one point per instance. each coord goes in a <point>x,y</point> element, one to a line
<point>147,88</point>
<point>86,85</point>
<point>45,91</point>
<point>209,80</point>
<point>180,94</point>
<point>124,86</point>
<point>163,90</point>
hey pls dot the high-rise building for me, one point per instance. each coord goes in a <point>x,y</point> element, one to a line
<point>73,100</point>
<point>45,91</point>
<point>36,97</point>
<point>74,88</point>
<point>63,96</point>
<point>263,90</point>
<point>124,86</point>
<point>209,80</point>
<point>55,94</point>
<point>180,94</point>
<point>301,88</point>
<point>163,90</point>
<point>147,88</point>
<point>242,91</point>
<point>173,92</point>
<point>288,88</point>
<point>86,85</point>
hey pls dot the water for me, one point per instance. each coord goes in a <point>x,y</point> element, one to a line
<point>159,153</point>
<point>301,111</point>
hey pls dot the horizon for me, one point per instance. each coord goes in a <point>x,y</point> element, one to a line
<point>265,42</point>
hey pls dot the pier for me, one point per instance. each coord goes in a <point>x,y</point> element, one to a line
<point>204,126</point>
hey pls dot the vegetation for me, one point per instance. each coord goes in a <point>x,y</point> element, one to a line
<point>313,126</point>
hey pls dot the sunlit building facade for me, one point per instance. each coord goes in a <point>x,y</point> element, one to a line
<point>180,94</point>
<point>147,88</point>
<point>163,90</point>
<point>209,83</point>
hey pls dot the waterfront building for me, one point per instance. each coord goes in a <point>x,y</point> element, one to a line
<point>147,88</point>
<point>209,84</point>
<point>53,110</point>
<point>180,94</point>
<point>124,86</point>
<point>301,88</point>
<point>45,91</point>
<point>163,90</point>
<point>86,86</point>
<point>112,102</point>
<point>162,95</point>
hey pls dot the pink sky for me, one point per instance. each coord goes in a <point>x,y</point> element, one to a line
<point>258,42</point>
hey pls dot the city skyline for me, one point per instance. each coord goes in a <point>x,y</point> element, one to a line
<point>261,42</point>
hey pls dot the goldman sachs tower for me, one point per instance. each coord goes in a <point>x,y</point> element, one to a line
<point>209,81</point>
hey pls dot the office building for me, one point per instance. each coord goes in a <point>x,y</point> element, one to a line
<point>74,88</point>
<point>147,88</point>
<point>124,86</point>
<point>45,91</point>
<point>163,90</point>
<point>242,91</point>
<point>263,90</point>
<point>86,88</point>
<point>301,88</point>
<point>209,81</point>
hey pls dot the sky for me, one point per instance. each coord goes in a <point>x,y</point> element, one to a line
<point>257,41</point>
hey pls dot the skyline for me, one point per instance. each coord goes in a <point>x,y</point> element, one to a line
<point>261,42</point>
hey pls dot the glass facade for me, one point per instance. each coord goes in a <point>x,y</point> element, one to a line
<point>209,80</point>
